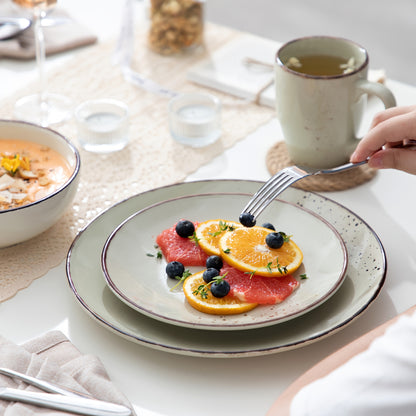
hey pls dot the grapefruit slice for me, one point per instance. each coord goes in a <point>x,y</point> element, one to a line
<point>246,250</point>
<point>228,305</point>
<point>259,289</point>
<point>184,250</point>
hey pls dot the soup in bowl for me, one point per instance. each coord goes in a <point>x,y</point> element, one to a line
<point>38,179</point>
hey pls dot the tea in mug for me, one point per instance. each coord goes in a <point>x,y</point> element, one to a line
<point>321,65</point>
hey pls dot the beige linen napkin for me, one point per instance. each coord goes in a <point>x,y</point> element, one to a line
<point>65,34</point>
<point>53,358</point>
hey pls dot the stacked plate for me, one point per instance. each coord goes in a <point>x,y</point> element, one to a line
<point>115,275</point>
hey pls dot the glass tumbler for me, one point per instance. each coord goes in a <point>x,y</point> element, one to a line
<point>103,125</point>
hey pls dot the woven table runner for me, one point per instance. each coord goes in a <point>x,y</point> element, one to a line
<point>151,159</point>
<point>278,158</point>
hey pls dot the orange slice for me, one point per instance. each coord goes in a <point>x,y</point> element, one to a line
<point>227,305</point>
<point>209,233</point>
<point>246,250</point>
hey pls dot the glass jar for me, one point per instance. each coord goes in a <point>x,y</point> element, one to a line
<point>176,25</point>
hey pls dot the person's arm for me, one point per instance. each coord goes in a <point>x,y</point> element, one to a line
<point>281,407</point>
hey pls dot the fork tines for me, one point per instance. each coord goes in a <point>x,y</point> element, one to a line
<point>273,187</point>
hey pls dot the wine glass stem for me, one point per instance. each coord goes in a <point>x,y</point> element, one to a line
<point>40,60</point>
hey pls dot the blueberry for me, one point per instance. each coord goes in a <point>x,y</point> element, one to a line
<point>247,219</point>
<point>185,228</point>
<point>175,269</point>
<point>215,262</point>
<point>220,289</point>
<point>269,226</point>
<point>274,240</point>
<point>209,274</point>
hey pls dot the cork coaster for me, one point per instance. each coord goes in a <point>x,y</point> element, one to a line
<point>277,158</point>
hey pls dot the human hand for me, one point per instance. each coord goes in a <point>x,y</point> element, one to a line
<point>384,144</point>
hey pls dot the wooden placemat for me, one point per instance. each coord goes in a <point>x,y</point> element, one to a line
<point>278,158</point>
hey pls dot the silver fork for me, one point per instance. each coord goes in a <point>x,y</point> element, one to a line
<point>278,183</point>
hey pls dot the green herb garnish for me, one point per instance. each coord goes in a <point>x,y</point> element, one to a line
<point>223,226</point>
<point>158,254</point>
<point>286,238</point>
<point>251,274</point>
<point>184,276</point>
<point>194,238</point>
<point>202,290</point>
<point>280,268</point>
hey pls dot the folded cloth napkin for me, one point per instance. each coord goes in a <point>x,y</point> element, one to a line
<point>53,358</point>
<point>62,34</point>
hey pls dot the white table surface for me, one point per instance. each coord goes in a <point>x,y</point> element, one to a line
<point>160,383</point>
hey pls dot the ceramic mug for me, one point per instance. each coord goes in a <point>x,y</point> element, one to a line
<point>320,115</point>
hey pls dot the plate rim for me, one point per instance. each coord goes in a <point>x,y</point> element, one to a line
<point>89,310</point>
<point>221,327</point>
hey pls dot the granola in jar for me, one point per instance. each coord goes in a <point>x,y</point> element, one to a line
<point>175,25</point>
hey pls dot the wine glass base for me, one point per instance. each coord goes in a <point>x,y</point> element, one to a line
<point>54,109</point>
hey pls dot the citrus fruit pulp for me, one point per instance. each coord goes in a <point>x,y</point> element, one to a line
<point>209,233</point>
<point>259,289</point>
<point>176,248</point>
<point>227,305</point>
<point>246,250</point>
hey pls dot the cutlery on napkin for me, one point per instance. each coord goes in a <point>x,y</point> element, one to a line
<point>61,33</point>
<point>79,405</point>
<point>52,358</point>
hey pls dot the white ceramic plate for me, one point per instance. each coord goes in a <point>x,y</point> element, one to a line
<point>364,280</point>
<point>141,282</point>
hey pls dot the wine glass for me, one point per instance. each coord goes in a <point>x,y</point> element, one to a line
<point>43,108</point>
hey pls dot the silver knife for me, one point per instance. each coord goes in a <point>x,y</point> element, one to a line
<point>72,404</point>
<point>40,384</point>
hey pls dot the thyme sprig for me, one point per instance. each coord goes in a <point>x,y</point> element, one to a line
<point>286,238</point>
<point>223,226</point>
<point>281,269</point>
<point>194,238</point>
<point>203,290</point>
<point>158,254</point>
<point>181,279</point>
<point>251,274</point>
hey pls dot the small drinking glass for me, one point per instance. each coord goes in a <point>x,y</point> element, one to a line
<point>103,125</point>
<point>195,119</point>
<point>43,108</point>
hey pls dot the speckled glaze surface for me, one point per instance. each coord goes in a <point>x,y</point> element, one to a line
<point>364,279</point>
<point>321,115</point>
<point>141,282</point>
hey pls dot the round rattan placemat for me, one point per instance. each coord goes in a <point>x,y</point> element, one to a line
<point>278,158</point>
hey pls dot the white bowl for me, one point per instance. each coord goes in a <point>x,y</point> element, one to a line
<point>22,223</point>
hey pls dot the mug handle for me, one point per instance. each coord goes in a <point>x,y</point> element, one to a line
<point>379,90</point>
